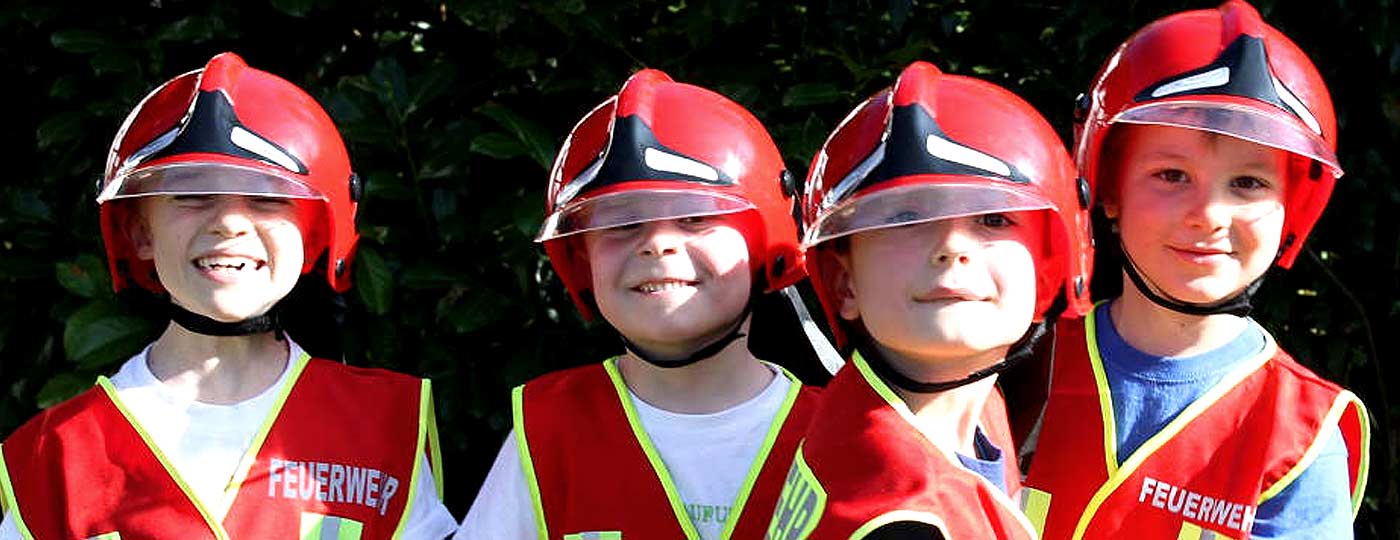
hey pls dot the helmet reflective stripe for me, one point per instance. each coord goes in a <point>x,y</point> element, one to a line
<point>251,142</point>
<point>1297,106</point>
<point>152,147</point>
<point>663,161</point>
<point>947,150</point>
<point>1210,79</point>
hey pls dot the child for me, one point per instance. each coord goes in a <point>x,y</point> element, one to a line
<point>224,187</point>
<point>669,211</point>
<point>942,219</point>
<point>1209,137</point>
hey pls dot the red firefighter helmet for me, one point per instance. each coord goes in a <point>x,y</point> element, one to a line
<point>658,150</point>
<point>230,129</point>
<point>1221,70</point>
<point>938,146</point>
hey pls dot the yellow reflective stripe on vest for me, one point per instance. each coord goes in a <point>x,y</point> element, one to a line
<point>1035,504</point>
<point>1191,531</point>
<point>114,535</point>
<point>800,504</point>
<point>522,446</point>
<point>323,527</point>
<point>595,535</point>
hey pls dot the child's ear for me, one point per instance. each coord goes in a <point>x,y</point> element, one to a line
<point>1110,208</point>
<point>841,284</point>
<point>139,233</point>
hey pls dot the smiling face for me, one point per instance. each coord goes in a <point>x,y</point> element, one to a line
<point>226,257</point>
<point>1200,214</point>
<point>944,291</point>
<point>671,286</point>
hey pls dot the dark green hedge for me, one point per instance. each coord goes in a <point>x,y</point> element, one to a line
<point>453,110</point>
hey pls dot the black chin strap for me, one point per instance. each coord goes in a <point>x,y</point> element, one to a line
<point>1238,305</point>
<point>199,324</point>
<point>1020,350</point>
<point>695,356</point>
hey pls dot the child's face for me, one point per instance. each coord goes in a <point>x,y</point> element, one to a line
<point>1200,214</point>
<point>947,289</point>
<point>671,285</point>
<point>227,257</point>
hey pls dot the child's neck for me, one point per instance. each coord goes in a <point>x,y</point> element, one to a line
<point>711,385</point>
<point>216,370</point>
<point>950,417</point>
<point>1159,331</point>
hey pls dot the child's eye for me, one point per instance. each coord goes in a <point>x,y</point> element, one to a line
<point>694,222</point>
<point>995,221</point>
<point>903,216</point>
<point>192,201</point>
<point>1248,183</point>
<point>1172,176</point>
<point>271,202</point>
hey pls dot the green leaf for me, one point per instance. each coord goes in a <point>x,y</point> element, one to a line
<point>536,139</point>
<point>432,84</point>
<point>899,12</point>
<point>373,280</point>
<point>390,83</point>
<point>473,310</point>
<point>86,277</point>
<point>79,41</point>
<point>29,204</point>
<point>64,88</point>
<point>497,145</point>
<point>432,276</point>
<point>101,333</point>
<point>295,8</point>
<point>808,94</point>
<point>112,60</point>
<point>65,127</point>
<point>62,387</point>
<point>192,29</point>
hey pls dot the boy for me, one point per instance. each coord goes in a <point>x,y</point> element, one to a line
<point>669,212</point>
<point>1210,139</point>
<point>224,187</point>
<point>942,220</point>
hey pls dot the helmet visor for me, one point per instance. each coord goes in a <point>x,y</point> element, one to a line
<point>919,203</point>
<point>1264,125</point>
<point>636,206</point>
<point>204,179</point>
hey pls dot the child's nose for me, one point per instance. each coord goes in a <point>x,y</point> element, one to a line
<point>231,217</point>
<point>660,238</point>
<point>953,242</point>
<point>1210,210</point>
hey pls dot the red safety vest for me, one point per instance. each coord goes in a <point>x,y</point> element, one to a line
<point>1205,473</point>
<point>864,465</point>
<point>586,458</point>
<point>336,459</point>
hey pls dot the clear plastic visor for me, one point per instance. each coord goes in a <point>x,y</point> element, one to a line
<point>204,179</point>
<point>638,206</point>
<point>918,203</point>
<point>1267,126</point>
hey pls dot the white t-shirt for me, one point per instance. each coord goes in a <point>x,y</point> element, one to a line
<point>707,455</point>
<point>205,442</point>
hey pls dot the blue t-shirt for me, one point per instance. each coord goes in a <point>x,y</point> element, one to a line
<point>988,461</point>
<point>1149,391</point>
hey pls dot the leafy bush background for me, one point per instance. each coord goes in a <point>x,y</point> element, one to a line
<point>453,111</point>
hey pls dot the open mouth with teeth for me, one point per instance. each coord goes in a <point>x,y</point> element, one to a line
<point>228,264</point>
<point>652,287</point>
